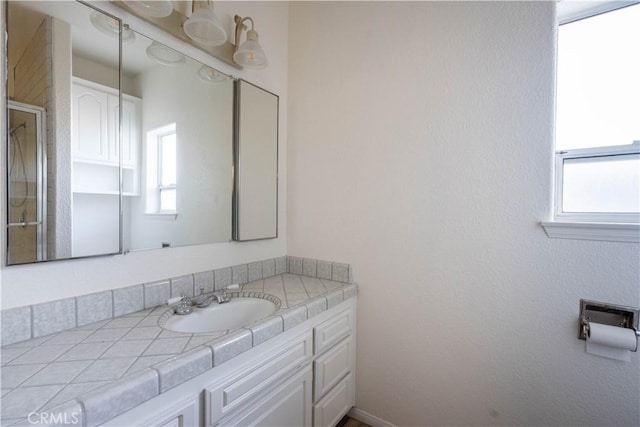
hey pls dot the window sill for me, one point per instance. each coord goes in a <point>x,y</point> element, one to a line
<point>600,231</point>
<point>162,215</point>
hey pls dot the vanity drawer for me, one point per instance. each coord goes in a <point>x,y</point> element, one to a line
<point>332,331</point>
<point>332,367</point>
<point>287,405</point>
<point>335,404</point>
<point>224,397</point>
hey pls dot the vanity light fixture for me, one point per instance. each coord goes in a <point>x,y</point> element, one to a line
<point>211,75</point>
<point>248,54</point>
<point>204,27</point>
<point>165,55</point>
<point>151,8</point>
<point>111,27</point>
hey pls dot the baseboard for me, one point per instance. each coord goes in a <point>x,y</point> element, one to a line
<point>367,418</point>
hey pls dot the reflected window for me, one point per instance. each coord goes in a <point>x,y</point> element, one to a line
<point>167,171</point>
<point>161,170</point>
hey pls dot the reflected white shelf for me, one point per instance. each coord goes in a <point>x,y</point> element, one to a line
<point>91,177</point>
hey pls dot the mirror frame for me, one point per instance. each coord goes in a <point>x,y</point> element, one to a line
<point>237,164</point>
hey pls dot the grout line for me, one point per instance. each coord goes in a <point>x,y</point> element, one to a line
<point>113,305</point>
<point>31,318</point>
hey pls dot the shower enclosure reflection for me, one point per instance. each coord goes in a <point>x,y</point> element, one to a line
<point>62,165</point>
<point>26,184</point>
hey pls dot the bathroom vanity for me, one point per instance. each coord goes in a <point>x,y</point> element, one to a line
<point>302,377</point>
<point>294,367</point>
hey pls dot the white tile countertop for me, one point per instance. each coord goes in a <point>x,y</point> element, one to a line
<point>131,355</point>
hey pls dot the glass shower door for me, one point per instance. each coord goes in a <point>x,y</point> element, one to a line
<point>26,184</point>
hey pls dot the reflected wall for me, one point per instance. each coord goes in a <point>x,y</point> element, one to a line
<point>180,96</point>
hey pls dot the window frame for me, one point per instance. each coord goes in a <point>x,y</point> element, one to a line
<point>160,166</point>
<point>153,173</point>
<point>590,153</point>
<point>611,227</point>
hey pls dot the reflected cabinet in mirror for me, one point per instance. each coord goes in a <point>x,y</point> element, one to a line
<point>62,109</point>
<point>256,164</point>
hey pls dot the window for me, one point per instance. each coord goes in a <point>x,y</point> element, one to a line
<point>161,161</point>
<point>597,166</point>
<point>167,172</point>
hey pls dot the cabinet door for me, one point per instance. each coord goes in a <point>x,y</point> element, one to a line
<point>335,404</point>
<point>89,135</point>
<point>185,417</point>
<point>130,131</point>
<point>288,405</point>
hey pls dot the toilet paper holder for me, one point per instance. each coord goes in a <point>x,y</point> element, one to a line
<point>607,314</point>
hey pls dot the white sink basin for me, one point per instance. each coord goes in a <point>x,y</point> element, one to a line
<point>220,317</point>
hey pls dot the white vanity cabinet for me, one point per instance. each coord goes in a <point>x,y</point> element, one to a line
<point>303,377</point>
<point>95,136</point>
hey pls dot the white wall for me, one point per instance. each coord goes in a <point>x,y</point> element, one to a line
<point>23,285</point>
<point>420,150</point>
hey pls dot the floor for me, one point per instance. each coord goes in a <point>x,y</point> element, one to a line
<point>350,422</point>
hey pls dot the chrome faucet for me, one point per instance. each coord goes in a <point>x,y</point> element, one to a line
<point>221,296</point>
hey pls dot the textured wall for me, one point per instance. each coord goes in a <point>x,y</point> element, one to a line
<point>420,150</point>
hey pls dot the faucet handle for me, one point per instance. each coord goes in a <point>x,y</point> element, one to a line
<point>185,306</point>
<point>223,292</point>
<point>201,298</point>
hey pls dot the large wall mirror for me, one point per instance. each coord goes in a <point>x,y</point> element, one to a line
<point>117,143</point>
<point>66,158</point>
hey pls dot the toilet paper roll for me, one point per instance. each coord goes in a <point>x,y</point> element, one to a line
<point>612,342</point>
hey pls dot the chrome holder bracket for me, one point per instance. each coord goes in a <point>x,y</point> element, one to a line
<point>606,314</point>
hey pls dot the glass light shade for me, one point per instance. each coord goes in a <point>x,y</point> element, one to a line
<point>204,27</point>
<point>111,27</point>
<point>250,54</point>
<point>151,8</point>
<point>165,55</point>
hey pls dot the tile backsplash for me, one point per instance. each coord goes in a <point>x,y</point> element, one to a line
<point>23,323</point>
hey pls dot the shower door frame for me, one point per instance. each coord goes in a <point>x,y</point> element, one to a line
<point>41,179</point>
